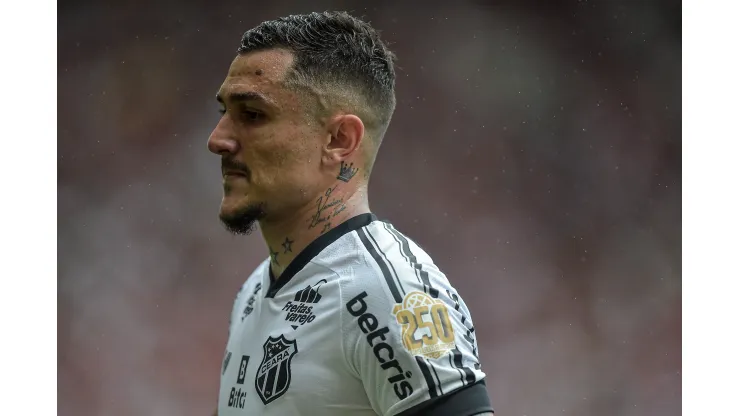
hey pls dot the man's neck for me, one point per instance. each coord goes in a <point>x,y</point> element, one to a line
<point>286,238</point>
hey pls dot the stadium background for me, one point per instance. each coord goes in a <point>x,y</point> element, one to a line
<point>535,153</point>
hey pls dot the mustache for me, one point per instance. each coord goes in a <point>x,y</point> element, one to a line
<point>234,165</point>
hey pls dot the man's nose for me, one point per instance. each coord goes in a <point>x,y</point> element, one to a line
<point>222,141</point>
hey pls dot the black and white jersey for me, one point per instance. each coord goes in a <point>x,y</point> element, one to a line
<point>360,323</point>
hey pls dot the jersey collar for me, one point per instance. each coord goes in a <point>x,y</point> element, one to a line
<point>314,248</point>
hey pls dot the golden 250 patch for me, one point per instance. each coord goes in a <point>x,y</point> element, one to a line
<point>426,329</point>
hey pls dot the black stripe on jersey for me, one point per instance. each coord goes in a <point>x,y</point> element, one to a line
<point>462,380</point>
<point>383,267</point>
<point>463,318</point>
<point>406,249</point>
<point>468,337</point>
<point>406,253</point>
<point>424,366</point>
<point>439,382</point>
<point>455,299</point>
<point>456,352</point>
<point>427,376</point>
<point>393,269</point>
<point>387,227</point>
<point>457,358</point>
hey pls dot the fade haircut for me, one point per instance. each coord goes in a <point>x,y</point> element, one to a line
<point>340,57</point>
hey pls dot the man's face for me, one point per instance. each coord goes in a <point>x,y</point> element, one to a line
<point>270,145</point>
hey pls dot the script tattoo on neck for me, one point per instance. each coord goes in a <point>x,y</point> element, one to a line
<point>327,207</point>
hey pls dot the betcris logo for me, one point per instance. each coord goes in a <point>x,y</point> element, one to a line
<point>384,353</point>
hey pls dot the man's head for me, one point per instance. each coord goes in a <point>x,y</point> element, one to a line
<point>305,95</point>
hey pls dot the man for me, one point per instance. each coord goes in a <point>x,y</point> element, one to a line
<point>347,316</point>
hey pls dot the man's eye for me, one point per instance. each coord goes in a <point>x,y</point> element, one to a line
<point>222,111</point>
<point>251,115</point>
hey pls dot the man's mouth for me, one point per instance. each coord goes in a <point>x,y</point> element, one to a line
<point>234,173</point>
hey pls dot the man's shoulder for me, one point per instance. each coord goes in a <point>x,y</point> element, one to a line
<point>258,272</point>
<point>406,331</point>
<point>396,264</point>
<point>254,280</point>
<point>380,262</point>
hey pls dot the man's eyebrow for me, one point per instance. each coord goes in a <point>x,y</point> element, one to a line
<point>244,97</point>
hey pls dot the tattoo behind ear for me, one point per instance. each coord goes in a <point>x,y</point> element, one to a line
<point>346,172</point>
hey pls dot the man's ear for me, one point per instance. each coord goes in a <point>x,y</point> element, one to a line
<point>347,132</point>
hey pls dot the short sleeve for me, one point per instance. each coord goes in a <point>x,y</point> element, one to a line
<point>412,348</point>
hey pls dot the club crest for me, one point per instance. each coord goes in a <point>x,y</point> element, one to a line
<point>273,375</point>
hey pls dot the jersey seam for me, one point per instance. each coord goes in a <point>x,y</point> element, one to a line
<point>239,296</point>
<point>380,278</point>
<point>341,316</point>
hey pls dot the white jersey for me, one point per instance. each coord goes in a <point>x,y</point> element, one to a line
<point>360,323</point>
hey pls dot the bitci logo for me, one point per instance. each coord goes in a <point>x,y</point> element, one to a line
<point>242,370</point>
<point>237,397</point>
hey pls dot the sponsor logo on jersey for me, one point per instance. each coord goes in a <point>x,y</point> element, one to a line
<point>383,351</point>
<point>273,375</point>
<point>242,370</point>
<point>426,329</point>
<point>227,357</point>
<point>250,302</point>
<point>237,396</point>
<point>300,309</point>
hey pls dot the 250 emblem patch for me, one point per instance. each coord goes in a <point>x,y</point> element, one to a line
<point>426,329</point>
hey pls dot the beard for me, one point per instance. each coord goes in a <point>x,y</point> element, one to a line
<point>243,221</point>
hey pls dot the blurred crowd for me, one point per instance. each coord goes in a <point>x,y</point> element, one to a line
<point>534,153</point>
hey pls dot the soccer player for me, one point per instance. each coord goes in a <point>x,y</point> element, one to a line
<point>347,316</point>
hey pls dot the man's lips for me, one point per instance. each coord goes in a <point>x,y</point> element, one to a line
<point>234,173</point>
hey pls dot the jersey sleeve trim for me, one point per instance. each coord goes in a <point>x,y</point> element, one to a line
<point>406,253</point>
<point>392,280</point>
<point>469,401</point>
<point>467,377</point>
<point>391,276</point>
<point>418,297</point>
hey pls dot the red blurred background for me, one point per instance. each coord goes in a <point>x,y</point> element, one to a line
<point>535,154</point>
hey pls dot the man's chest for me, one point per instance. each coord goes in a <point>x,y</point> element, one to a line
<point>284,354</point>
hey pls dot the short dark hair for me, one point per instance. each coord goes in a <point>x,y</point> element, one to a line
<point>337,51</point>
